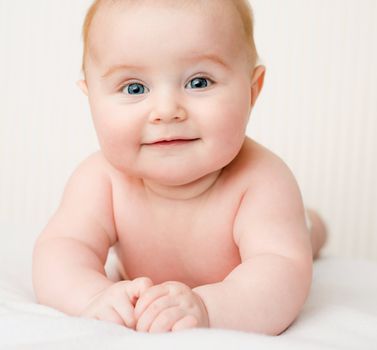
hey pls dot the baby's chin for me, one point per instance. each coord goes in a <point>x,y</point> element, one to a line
<point>172,171</point>
<point>176,177</point>
<point>183,188</point>
<point>185,177</point>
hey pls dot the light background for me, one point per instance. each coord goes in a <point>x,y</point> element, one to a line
<point>318,111</point>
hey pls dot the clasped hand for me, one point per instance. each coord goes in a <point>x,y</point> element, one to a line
<point>142,306</point>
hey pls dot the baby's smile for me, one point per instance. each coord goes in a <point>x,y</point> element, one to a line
<point>175,141</point>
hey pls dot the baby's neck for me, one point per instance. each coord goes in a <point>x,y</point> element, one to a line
<point>188,191</point>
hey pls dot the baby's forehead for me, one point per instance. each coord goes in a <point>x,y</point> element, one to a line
<point>163,3</point>
<point>212,8</point>
<point>205,19</point>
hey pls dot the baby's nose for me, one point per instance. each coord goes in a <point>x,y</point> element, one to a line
<point>167,110</point>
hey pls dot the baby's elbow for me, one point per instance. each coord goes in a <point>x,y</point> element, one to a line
<point>300,284</point>
<point>274,329</point>
<point>274,332</point>
<point>278,328</point>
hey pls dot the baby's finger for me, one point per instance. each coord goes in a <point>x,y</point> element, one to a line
<point>125,310</point>
<point>152,312</point>
<point>109,314</point>
<point>138,287</point>
<point>187,322</point>
<point>166,320</point>
<point>148,297</point>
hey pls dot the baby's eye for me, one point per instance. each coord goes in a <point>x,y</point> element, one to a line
<point>199,83</point>
<point>134,89</point>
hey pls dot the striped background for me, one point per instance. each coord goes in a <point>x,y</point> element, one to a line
<point>318,110</point>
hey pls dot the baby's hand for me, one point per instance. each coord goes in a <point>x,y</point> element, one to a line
<point>116,303</point>
<point>170,306</point>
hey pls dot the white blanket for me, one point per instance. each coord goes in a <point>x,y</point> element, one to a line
<point>340,313</point>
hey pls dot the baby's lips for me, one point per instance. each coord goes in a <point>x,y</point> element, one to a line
<point>171,140</point>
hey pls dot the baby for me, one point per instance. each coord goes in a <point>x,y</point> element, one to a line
<point>208,225</point>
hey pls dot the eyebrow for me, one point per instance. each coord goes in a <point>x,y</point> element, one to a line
<point>202,57</point>
<point>120,67</point>
<point>209,57</point>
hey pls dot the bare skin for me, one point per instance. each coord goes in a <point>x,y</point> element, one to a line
<point>318,233</point>
<point>191,242</point>
<point>209,226</point>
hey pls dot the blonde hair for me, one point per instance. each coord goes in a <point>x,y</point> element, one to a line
<point>242,6</point>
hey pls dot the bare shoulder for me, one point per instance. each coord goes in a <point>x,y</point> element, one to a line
<point>89,180</point>
<point>256,165</point>
<point>85,211</point>
<point>268,176</point>
<point>271,218</point>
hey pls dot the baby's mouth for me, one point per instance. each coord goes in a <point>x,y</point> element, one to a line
<point>171,142</point>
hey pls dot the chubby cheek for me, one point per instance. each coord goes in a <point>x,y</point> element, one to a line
<point>228,120</point>
<point>115,136</point>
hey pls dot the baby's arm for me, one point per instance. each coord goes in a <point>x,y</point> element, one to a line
<point>69,255</point>
<point>266,292</point>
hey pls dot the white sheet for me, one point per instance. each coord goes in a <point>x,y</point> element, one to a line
<point>341,313</point>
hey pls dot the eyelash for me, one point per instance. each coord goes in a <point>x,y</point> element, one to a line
<point>211,82</point>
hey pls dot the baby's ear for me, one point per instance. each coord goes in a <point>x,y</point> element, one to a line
<point>83,86</point>
<point>257,81</point>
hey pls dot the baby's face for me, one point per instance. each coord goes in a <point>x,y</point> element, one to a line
<point>156,74</point>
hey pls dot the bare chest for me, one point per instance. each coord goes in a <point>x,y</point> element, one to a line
<point>191,244</point>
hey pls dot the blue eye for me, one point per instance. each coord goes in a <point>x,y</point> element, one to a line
<point>199,83</point>
<point>134,89</point>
